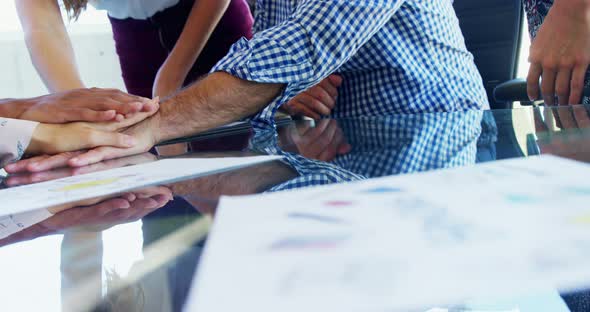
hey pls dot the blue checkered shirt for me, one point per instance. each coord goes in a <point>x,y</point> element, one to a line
<point>395,56</point>
<point>388,145</point>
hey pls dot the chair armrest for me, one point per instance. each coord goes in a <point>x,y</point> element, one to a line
<point>511,91</point>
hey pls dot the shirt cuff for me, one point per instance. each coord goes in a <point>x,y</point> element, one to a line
<point>16,136</point>
<point>264,60</point>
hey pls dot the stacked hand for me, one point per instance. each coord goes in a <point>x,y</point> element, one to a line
<point>92,105</point>
<point>560,54</point>
<point>81,119</point>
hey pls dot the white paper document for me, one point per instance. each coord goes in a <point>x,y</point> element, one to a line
<point>402,243</point>
<point>115,181</point>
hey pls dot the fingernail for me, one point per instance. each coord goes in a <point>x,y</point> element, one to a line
<point>75,160</point>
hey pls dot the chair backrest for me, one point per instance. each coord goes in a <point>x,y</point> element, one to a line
<point>492,31</point>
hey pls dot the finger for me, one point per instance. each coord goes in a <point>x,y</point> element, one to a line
<point>533,77</point>
<point>313,133</point>
<point>320,94</point>
<point>330,87</point>
<point>335,80</point>
<point>97,155</point>
<point>162,200</point>
<point>325,139</point>
<point>548,86</point>
<point>540,125</point>
<point>90,115</point>
<point>577,84</point>
<point>21,166</point>
<point>562,86</point>
<point>51,162</point>
<point>124,123</point>
<point>331,150</point>
<point>565,117</point>
<point>581,115</point>
<point>314,104</point>
<point>344,149</point>
<point>299,108</point>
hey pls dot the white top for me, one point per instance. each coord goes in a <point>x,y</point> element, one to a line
<point>15,136</point>
<point>137,9</point>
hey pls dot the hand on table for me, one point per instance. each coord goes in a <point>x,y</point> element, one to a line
<point>142,133</point>
<point>317,101</point>
<point>323,142</point>
<point>59,138</point>
<point>560,54</point>
<point>92,105</point>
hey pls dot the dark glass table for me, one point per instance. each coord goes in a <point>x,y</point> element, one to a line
<point>144,259</point>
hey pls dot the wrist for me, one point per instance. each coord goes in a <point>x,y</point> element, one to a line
<point>40,140</point>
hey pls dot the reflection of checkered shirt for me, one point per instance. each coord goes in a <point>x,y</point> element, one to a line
<point>408,52</point>
<point>386,145</point>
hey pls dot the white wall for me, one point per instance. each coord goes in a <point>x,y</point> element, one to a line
<point>93,44</point>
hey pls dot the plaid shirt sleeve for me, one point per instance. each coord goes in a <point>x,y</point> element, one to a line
<point>318,38</point>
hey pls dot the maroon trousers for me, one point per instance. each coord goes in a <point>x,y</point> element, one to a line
<point>143,45</point>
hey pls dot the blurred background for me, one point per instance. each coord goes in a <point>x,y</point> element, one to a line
<point>95,52</point>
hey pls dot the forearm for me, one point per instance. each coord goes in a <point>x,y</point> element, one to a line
<point>49,44</point>
<point>54,60</point>
<point>202,21</point>
<point>14,108</point>
<point>211,102</point>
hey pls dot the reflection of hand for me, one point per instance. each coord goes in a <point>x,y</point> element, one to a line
<point>317,101</point>
<point>562,117</point>
<point>324,142</point>
<point>142,134</point>
<point>94,105</point>
<point>30,177</point>
<point>127,208</point>
<point>561,53</point>
<point>149,195</point>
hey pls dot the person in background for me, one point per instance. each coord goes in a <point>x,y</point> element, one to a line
<point>161,44</point>
<point>560,50</point>
<point>68,121</point>
<point>394,57</point>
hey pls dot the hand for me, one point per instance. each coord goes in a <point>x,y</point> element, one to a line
<point>103,213</point>
<point>143,134</point>
<point>323,142</point>
<point>58,138</point>
<point>552,119</point>
<point>153,197</point>
<point>92,105</point>
<point>560,54</point>
<point>317,101</point>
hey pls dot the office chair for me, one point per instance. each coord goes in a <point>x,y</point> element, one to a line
<point>492,31</point>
